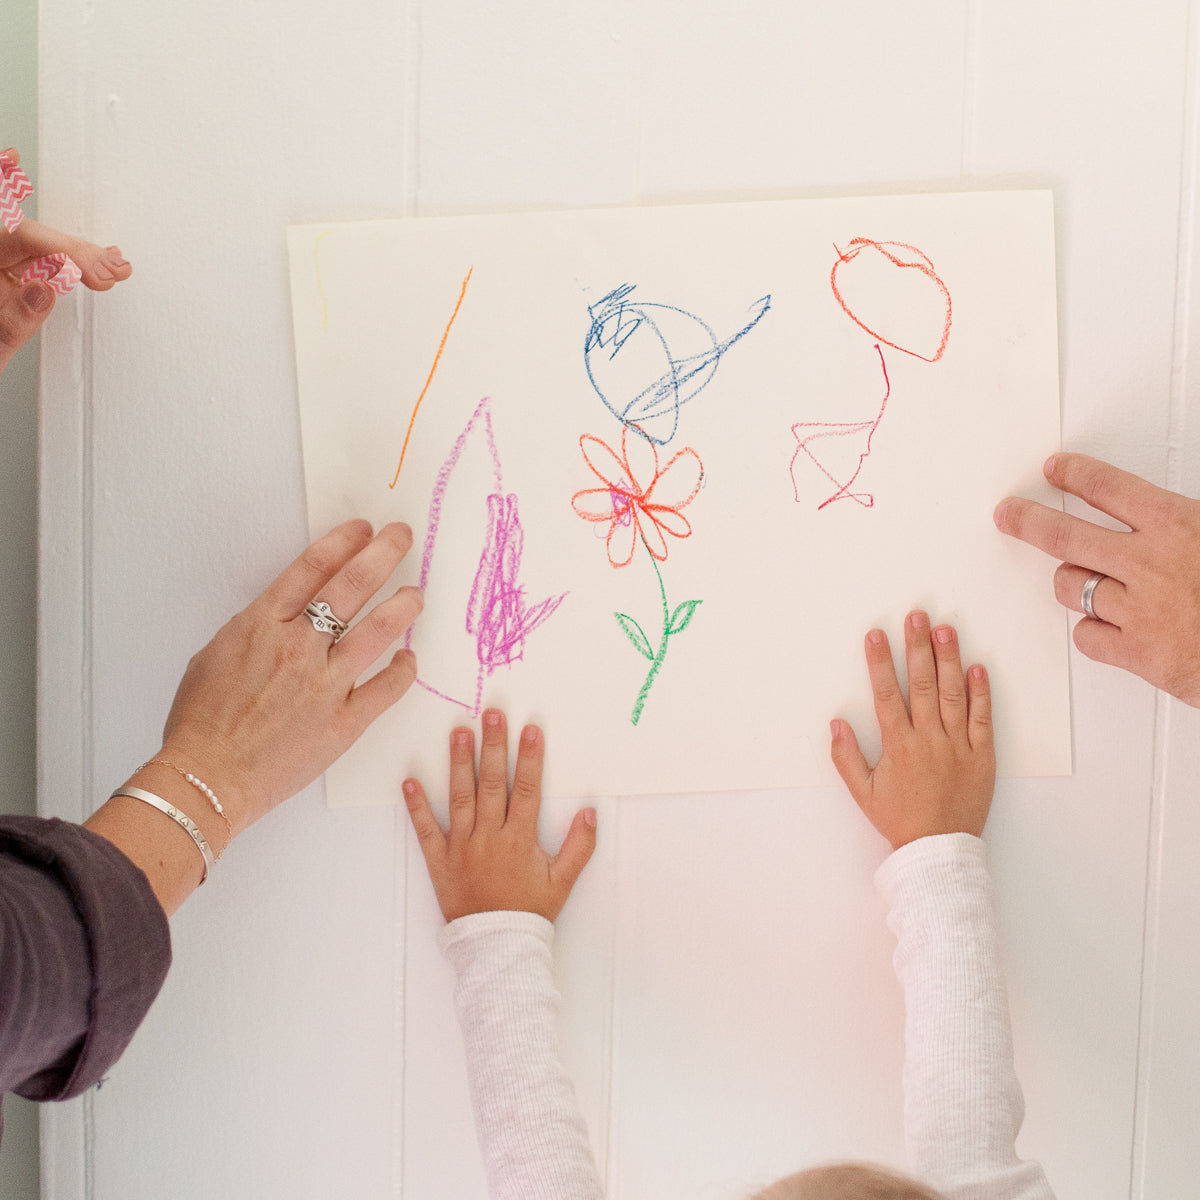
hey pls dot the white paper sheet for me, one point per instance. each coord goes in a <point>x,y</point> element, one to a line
<point>830,397</point>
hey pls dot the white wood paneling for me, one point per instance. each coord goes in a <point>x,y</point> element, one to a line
<point>729,1007</point>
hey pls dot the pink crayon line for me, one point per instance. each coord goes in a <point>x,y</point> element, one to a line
<point>843,430</point>
<point>436,359</point>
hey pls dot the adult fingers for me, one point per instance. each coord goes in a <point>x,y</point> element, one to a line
<point>1121,494</point>
<point>298,583</point>
<point>526,799</point>
<point>359,579</point>
<point>890,711</point>
<point>491,793</point>
<point>1110,600</point>
<point>849,760</point>
<point>21,316</point>
<point>429,833</point>
<point>1062,536</point>
<point>922,674</point>
<point>462,783</point>
<point>573,855</point>
<point>382,626</point>
<point>374,697</point>
<point>1105,643</point>
<point>979,708</point>
<point>951,686</point>
<point>102,267</point>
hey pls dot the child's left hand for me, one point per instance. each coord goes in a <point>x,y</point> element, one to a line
<point>938,765</point>
<point>490,860</point>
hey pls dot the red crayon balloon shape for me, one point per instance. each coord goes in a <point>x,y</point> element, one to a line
<point>893,292</point>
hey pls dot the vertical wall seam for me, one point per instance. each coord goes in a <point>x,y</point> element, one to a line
<point>611,1176</point>
<point>399,993</point>
<point>411,57</point>
<point>411,148</point>
<point>972,52</point>
<point>87,215</point>
<point>1175,440</point>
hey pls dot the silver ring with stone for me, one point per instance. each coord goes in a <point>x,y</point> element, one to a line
<point>1089,588</point>
<point>323,620</point>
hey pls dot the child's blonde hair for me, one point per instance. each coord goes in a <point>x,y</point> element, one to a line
<point>847,1181</point>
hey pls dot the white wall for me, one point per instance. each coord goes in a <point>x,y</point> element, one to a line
<point>730,1011</point>
<point>18,547</point>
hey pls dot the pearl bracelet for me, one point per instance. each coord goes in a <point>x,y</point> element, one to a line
<point>193,830</point>
<point>201,787</point>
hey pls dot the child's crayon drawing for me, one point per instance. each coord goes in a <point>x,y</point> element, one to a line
<point>719,443</point>
<point>879,285</point>
<point>647,360</point>
<point>498,616</point>
<point>639,503</point>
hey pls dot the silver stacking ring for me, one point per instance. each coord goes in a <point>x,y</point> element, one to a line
<point>1089,587</point>
<point>321,615</point>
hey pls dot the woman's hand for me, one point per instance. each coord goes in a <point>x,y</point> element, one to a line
<point>490,860</point>
<point>267,705</point>
<point>938,765</point>
<point>271,702</point>
<point>24,307</point>
<point>1147,599</point>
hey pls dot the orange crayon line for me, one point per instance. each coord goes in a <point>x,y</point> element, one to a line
<point>436,359</point>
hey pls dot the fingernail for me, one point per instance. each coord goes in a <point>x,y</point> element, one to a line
<point>103,271</point>
<point>491,717</point>
<point>918,620</point>
<point>410,788</point>
<point>1049,465</point>
<point>37,296</point>
<point>589,817</point>
<point>115,259</point>
<point>944,634</point>
<point>976,672</point>
<point>999,513</point>
<point>529,734</point>
<point>835,728</point>
<point>875,637</point>
<point>460,737</point>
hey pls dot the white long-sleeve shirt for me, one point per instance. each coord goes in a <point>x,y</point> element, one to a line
<point>962,1102</point>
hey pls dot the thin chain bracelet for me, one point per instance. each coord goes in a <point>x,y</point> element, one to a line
<point>203,788</point>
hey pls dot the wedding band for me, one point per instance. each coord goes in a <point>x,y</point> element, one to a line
<point>1089,587</point>
<point>321,615</point>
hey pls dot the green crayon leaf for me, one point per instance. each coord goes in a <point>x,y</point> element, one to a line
<point>682,616</point>
<point>633,631</point>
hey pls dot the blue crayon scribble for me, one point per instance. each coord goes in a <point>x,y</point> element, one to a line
<point>645,380</point>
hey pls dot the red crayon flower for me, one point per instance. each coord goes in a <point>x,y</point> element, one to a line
<point>639,500</point>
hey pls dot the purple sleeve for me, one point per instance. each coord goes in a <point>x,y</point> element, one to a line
<point>84,949</point>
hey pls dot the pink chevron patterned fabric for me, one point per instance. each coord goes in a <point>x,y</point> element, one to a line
<point>58,270</point>
<point>14,187</point>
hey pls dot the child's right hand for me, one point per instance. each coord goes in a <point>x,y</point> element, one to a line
<point>490,861</point>
<point>938,765</point>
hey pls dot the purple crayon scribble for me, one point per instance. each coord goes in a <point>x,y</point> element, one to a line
<point>497,613</point>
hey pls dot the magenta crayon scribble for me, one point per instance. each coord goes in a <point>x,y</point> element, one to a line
<point>498,615</point>
<point>813,431</point>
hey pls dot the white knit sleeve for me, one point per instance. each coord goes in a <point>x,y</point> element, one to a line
<point>962,1102</point>
<point>533,1137</point>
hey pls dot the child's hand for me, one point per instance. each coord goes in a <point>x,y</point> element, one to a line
<point>938,766</point>
<point>490,860</point>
